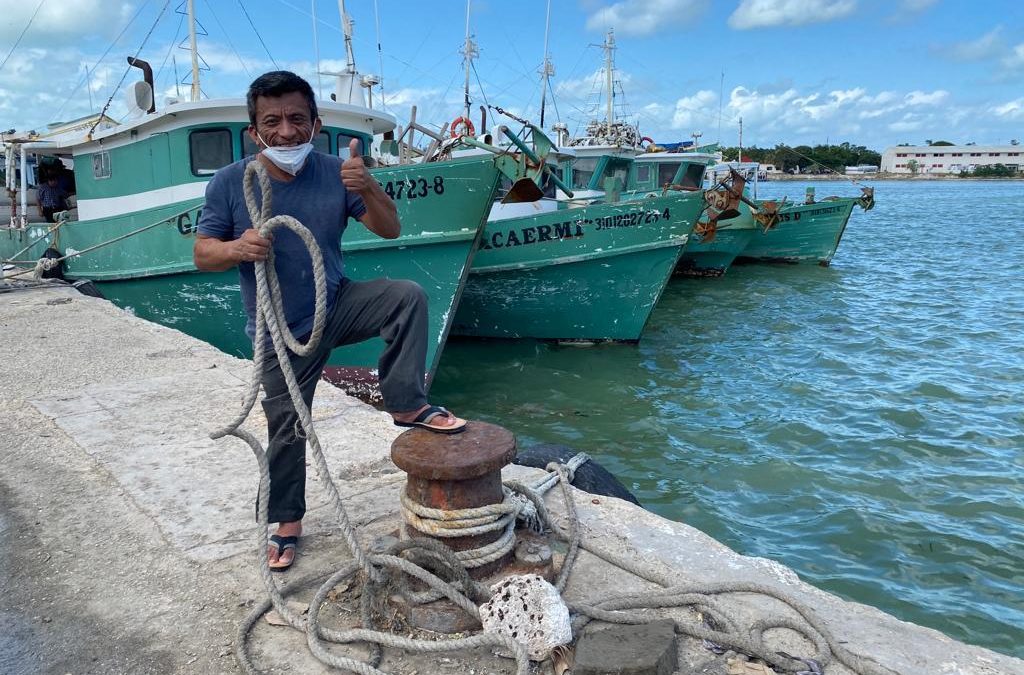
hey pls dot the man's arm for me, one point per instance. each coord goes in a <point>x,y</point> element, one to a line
<point>381,215</point>
<point>213,255</point>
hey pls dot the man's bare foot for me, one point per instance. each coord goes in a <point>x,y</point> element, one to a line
<point>432,417</point>
<point>282,557</point>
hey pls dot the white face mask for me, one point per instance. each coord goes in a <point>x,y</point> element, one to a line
<point>291,158</point>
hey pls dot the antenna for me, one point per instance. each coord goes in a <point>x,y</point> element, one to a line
<point>609,64</point>
<point>721,90</point>
<point>546,70</point>
<point>316,51</point>
<point>195,52</point>
<point>469,52</point>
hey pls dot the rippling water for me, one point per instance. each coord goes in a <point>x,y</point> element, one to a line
<point>860,423</point>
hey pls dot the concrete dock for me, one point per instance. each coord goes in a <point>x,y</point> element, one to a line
<point>129,540</point>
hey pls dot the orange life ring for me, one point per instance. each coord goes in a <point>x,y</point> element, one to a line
<point>466,123</point>
<point>646,138</point>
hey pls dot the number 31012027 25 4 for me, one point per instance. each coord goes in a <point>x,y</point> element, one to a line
<point>414,188</point>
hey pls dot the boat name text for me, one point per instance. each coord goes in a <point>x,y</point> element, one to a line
<point>570,229</point>
<point>797,215</point>
<point>186,222</point>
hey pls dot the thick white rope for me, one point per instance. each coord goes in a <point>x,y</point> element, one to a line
<point>270,318</point>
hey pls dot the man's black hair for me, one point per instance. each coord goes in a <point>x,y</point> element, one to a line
<point>279,83</point>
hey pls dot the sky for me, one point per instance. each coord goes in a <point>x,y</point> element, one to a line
<point>869,72</point>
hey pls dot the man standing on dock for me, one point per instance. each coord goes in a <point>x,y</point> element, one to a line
<point>321,192</point>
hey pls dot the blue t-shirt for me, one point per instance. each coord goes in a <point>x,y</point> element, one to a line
<point>317,198</point>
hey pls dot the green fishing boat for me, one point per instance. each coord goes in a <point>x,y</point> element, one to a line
<point>804,232</point>
<point>577,267</point>
<point>140,188</point>
<point>784,232</point>
<point>716,241</point>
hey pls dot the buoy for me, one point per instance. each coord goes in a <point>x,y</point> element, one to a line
<point>465,123</point>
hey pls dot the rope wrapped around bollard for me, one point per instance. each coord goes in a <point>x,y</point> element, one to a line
<point>270,319</point>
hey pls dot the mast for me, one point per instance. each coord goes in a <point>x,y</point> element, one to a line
<point>192,45</point>
<point>316,51</point>
<point>347,84</point>
<point>609,45</point>
<point>346,25</point>
<point>740,158</point>
<point>469,52</point>
<point>546,70</point>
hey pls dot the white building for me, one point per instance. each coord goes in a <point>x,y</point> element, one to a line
<point>943,159</point>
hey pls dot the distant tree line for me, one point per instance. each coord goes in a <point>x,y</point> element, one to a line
<point>816,159</point>
<point>990,171</point>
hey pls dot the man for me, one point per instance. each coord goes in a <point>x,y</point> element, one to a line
<point>322,192</point>
<point>50,197</point>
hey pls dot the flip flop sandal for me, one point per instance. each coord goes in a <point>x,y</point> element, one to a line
<point>282,544</point>
<point>423,421</point>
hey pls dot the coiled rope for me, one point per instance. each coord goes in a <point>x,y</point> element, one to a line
<point>719,629</point>
<point>270,319</point>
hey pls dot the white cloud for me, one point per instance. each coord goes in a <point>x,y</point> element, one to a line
<point>987,46</point>
<point>1013,110</point>
<point>694,111</point>
<point>580,88</point>
<point>768,13</point>
<point>61,20</point>
<point>920,98</point>
<point>643,17</point>
<point>1015,59</point>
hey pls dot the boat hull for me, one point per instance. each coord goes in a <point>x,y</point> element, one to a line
<point>804,233</point>
<point>152,273</point>
<point>587,273</point>
<point>712,258</point>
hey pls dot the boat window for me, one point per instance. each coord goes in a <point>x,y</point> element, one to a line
<point>693,177</point>
<point>617,168</point>
<point>343,141</point>
<point>209,149</point>
<point>583,171</point>
<point>667,173</point>
<point>101,165</point>
<point>643,173</point>
<point>249,146</point>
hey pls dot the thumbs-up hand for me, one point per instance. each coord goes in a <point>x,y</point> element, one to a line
<point>354,174</point>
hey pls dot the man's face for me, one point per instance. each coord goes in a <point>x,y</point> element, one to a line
<point>283,120</point>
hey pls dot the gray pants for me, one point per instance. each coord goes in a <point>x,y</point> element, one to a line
<point>394,310</point>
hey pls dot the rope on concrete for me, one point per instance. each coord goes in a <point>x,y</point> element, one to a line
<point>270,319</point>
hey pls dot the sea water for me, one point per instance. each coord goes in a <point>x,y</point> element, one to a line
<point>861,423</point>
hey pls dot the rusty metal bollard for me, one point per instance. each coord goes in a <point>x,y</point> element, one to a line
<point>457,471</point>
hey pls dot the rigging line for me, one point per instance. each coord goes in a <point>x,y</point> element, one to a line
<point>482,92</point>
<point>100,60</point>
<point>23,31</point>
<point>227,36</point>
<point>711,116</point>
<point>558,115</point>
<point>156,78</point>
<point>128,69</point>
<point>258,36</point>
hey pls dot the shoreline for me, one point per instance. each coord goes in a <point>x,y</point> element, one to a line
<point>804,177</point>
